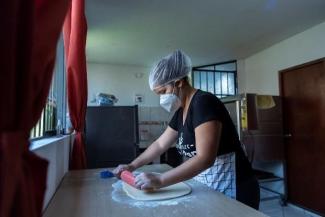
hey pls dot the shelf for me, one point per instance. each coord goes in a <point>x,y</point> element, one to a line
<point>264,176</point>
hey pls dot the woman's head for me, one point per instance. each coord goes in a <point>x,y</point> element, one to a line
<point>169,69</point>
<point>172,94</point>
<point>173,87</point>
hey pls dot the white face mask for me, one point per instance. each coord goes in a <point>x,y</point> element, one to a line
<point>170,102</point>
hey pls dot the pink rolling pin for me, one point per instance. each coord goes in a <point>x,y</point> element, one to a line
<point>128,177</point>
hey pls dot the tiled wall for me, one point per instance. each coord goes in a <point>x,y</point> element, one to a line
<point>152,123</point>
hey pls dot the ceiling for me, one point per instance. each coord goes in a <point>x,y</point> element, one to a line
<point>139,32</point>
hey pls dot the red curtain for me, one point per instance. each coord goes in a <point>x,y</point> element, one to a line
<point>75,33</point>
<point>30,31</point>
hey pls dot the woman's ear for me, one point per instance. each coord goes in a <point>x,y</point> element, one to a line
<point>179,83</point>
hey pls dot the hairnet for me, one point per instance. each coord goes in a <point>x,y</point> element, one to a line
<point>175,66</point>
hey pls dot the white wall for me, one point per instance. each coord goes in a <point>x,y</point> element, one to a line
<point>241,76</point>
<point>260,73</point>
<point>56,151</point>
<point>121,81</point>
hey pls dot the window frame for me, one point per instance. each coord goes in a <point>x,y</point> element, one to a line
<point>200,69</point>
<point>58,85</point>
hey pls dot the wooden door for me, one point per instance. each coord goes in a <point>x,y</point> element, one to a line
<point>303,91</point>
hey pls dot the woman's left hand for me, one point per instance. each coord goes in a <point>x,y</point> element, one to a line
<point>148,181</point>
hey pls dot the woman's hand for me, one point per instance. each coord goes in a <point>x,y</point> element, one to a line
<point>118,170</point>
<point>148,181</point>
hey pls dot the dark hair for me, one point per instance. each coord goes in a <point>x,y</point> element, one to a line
<point>186,79</point>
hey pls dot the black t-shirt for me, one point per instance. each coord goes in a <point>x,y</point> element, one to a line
<point>205,107</point>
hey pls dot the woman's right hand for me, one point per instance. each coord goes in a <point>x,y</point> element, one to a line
<point>118,170</point>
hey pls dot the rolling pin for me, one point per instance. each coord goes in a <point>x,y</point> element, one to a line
<point>128,177</point>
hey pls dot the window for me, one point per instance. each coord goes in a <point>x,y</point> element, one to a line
<point>219,79</point>
<point>55,108</point>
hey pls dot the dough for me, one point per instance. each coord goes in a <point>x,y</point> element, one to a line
<point>169,192</point>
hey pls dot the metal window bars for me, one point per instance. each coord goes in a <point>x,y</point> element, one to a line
<point>219,79</point>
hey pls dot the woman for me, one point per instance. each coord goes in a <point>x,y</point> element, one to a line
<point>204,133</point>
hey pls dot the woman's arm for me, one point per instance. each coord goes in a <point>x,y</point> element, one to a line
<point>158,147</point>
<point>207,136</point>
<point>153,151</point>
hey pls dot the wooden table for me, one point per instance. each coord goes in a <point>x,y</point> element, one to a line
<point>84,194</point>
